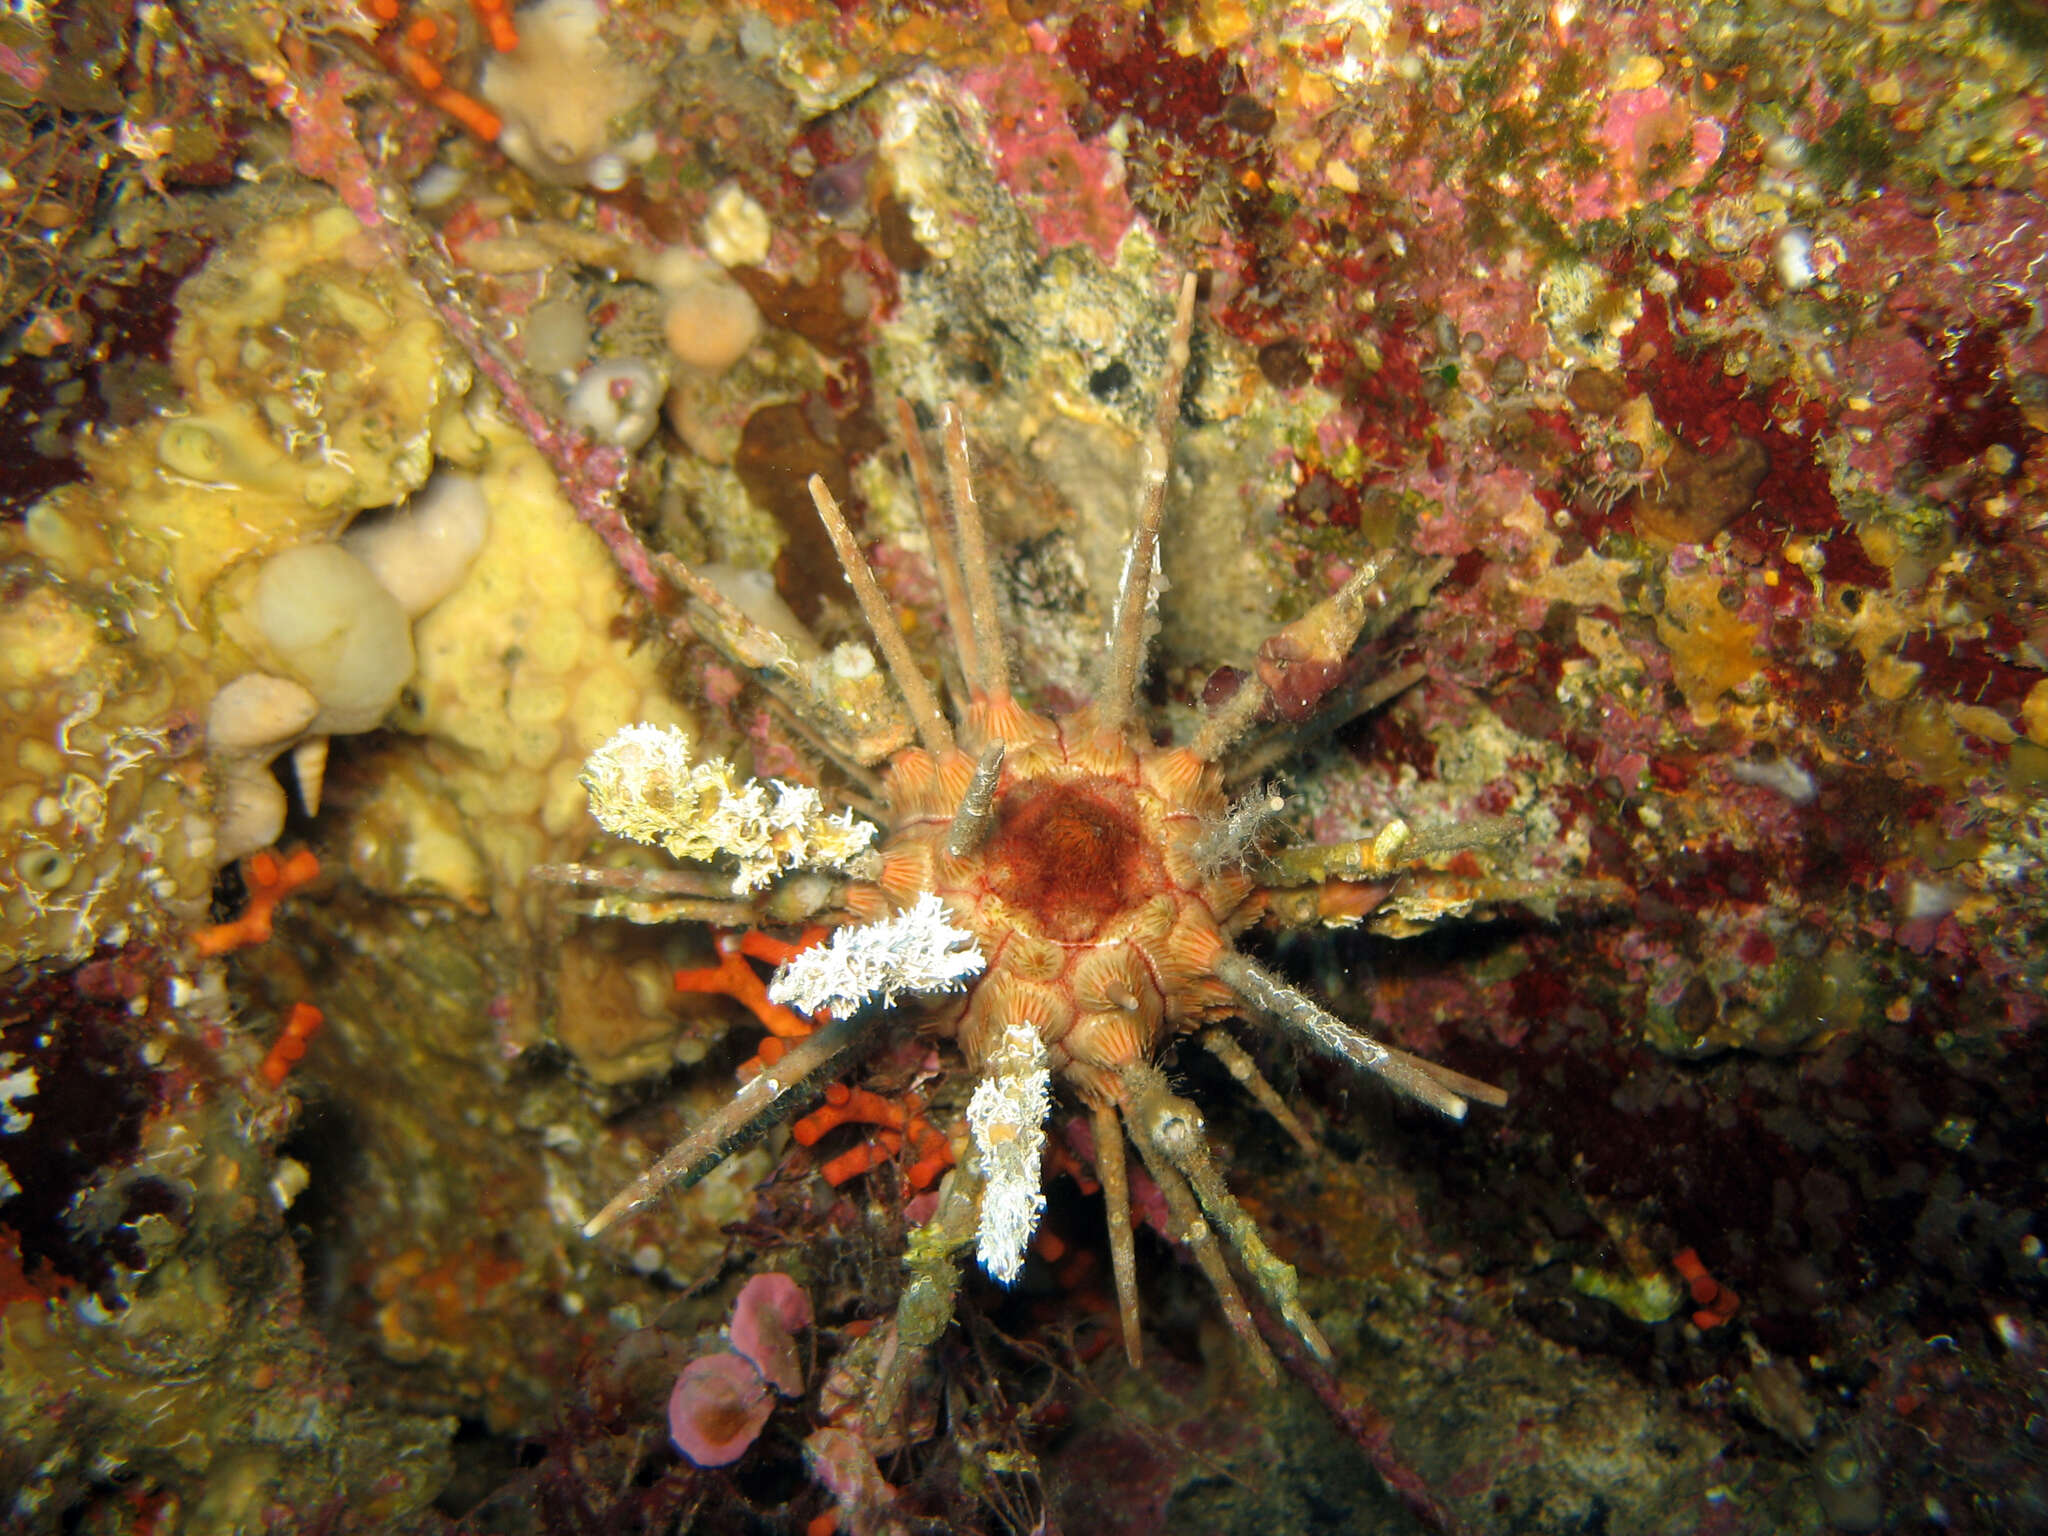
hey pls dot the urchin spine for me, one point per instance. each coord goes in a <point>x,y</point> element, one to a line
<point>1437,1086</point>
<point>977,807</point>
<point>1236,838</point>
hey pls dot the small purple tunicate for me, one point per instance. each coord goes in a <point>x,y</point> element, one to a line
<point>768,1312</point>
<point>840,192</point>
<point>717,1409</point>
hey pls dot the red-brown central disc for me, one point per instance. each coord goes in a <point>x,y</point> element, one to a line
<point>1071,853</point>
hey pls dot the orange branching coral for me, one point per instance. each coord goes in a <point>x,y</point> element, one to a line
<point>496,16</point>
<point>300,1026</point>
<point>897,1122</point>
<point>419,50</point>
<point>1717,1303</point>
<point>271,879</point>
<point>732,977</point>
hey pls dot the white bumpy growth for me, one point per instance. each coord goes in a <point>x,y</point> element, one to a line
<point>917,951</point>
<point>1006,1119</point>
<point>644,786</point>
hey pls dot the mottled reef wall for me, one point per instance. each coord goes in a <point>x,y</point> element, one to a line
<point>361,365</point>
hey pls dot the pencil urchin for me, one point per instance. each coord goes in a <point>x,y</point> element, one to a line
<point>1058,897</point>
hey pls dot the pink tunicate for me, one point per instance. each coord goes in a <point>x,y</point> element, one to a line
<point>769,1311</point>
<point>717,1409</point>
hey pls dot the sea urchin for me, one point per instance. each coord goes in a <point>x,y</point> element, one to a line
<point>1064,894</point>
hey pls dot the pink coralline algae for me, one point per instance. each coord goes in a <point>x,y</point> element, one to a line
<point>1644,132</point>
<point>324,142</point>
<point>1073,189</point>
<point>721,1401</point>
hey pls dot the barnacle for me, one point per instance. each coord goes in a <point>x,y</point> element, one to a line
<point>1095,882</point>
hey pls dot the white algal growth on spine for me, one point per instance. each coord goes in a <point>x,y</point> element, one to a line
<point>916,951</point>
<point>1006,1120</point>
<point>644,786</point>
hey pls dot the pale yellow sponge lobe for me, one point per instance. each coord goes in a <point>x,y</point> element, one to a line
<point>524,668</point>
<point>567,100</point>
<point>527,665</point>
